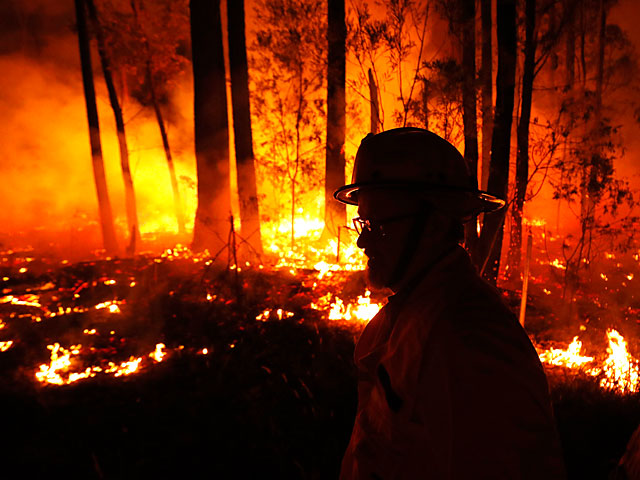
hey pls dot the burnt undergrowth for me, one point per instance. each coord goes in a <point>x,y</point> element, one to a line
<point>270,398</point>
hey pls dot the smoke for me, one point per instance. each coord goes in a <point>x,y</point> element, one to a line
<point>45,162</point>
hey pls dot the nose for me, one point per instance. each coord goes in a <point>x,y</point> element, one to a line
<point>364,239</point>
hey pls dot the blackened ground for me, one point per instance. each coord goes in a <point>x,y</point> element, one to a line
<point>271,399</point>
<point>280,404</point>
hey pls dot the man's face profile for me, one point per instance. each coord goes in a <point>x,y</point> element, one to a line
<point>391,215</point>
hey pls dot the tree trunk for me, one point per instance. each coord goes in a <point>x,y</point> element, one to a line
<point>335,212</point>
<point>245,160</point>
<point>522,158</point>
<point>373,102</point>
<point>570,52</point>
<point>597,130</point>
<point>211,127</point>
<point>425,103</point>
<point>129,191</point>
<point>469,117</point>
<point>490,244</point>
<point>104,205</point>
<point>486,74</point>
<point>600,64</point>
<point>177,201</point>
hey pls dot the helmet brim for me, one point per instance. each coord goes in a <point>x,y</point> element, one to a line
<point>465,203</point>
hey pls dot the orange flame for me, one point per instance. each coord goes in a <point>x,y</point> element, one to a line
<point>619,371</point>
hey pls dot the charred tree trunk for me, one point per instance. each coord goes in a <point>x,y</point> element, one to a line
<point>104,205</point>
<point>522,158</point>
<point>490,243</point>
<point>570,53</point>
<point>597,132</point>
<point>245,160</point>
<point>570,63</point>
<point>129,191</point>
<point>469,117</point>
<point>373,102</point>
<point>211,127</point>
<point>486,74</point>
<point>335,212</point>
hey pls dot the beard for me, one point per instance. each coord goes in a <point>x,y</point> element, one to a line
<point>378,277</point>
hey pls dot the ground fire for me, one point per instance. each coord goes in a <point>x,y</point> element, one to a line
<point>38,292</point>
<point>179,291</point>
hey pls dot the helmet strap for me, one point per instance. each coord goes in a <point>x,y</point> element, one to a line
<point>410,247</point>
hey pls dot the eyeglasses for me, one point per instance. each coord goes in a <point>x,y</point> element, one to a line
<point>377,226</point>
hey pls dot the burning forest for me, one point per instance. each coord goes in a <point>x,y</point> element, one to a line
<point>179,291</point>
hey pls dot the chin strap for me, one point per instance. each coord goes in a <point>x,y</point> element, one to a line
<point>410,247</point>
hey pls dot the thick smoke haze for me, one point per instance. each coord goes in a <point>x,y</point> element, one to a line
<point>45,163</point>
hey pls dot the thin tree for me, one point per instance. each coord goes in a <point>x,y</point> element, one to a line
<point>373,104</point>
<point>522,156</point>
<point>104,205</point>
<point>335,212</point>
<point>486,75</point>
<point>398,40</point>
<point>490,242</point>
<point>290,64</point>
<point>129,190</point>
<point>245,160</point>
<point>545,42</point>
<point>211,127</point>
<point>153,96</point>
<point>424,94</point>
<point>469,116</point>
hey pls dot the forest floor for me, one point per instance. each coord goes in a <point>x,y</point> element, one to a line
<point>256,381</point>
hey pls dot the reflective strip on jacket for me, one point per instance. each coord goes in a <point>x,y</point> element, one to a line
<point>450,387</point>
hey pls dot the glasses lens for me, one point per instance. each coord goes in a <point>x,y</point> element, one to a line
<point>357,224</point>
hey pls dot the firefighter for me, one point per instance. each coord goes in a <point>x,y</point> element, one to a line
<point>449,384</point>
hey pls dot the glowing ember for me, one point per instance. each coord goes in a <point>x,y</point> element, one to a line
<point>558,264</point>
<point>279,314</point>
<point>112,306</point>
<point>4,346</point>
<point>60,362</point>
<point>27,300</point>
<point>59,370</point>
<point>158,354</point>
<point>125,368</point>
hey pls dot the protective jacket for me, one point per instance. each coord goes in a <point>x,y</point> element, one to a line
<point>450,387</point>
